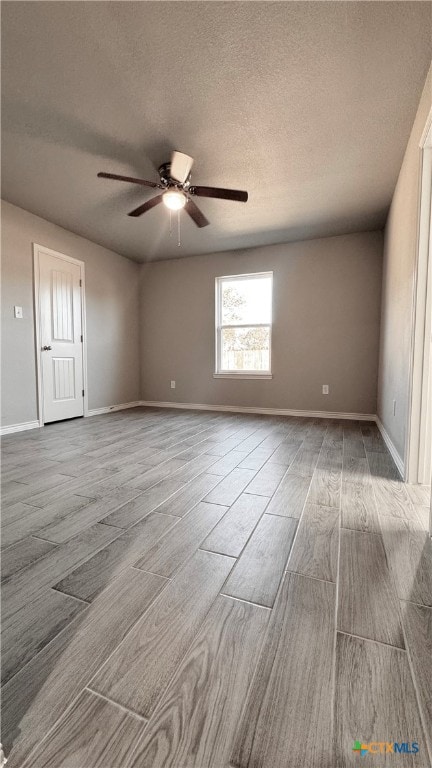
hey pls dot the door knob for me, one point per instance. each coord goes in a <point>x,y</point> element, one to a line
<point>46,349</point>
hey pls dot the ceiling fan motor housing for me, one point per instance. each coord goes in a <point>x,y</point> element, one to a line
<point>168,181</point>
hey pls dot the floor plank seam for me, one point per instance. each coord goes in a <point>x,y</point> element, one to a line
<point>275,514</point>
<point>371,640</point>
<point>248,602</point>
<point>32,506</point>
<point>261,495</point>
<point>39,538</point>
<point>116,704</point>
<point>67,594</point>
<point>164,514</point>
<point>109,525</point>
<point>151,573</point>
<point>308,576</point>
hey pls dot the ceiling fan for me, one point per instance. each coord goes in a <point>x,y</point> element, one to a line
<point>178,192</point>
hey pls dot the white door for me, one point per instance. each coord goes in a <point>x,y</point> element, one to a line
<point>60,335</point>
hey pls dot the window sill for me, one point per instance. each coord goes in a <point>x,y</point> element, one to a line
<point>241,375</point>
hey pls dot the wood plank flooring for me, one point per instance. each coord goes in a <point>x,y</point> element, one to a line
<point>21,554</point>
<point>204,590</point>
<point>258,571</point>
<point>368,605</point>
<point>292,684</point>
<point>101,735</point>
<point>316,551</point>
<point>56,675</point>
<point>90,578</point>
<point>138,672</point>
<point>417,621</point>
<point>231,534</point>
<point>390,712</point>
<point>198,714</point>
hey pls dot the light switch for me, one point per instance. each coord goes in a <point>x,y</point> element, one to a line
<point>18,312</point>
<point>172,384</point>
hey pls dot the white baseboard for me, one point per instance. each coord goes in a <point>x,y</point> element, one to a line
<point>263,411</point>
<point>110,408</point>
<point>19,427</point>
<point>392,448</point>
<point>94,412</point>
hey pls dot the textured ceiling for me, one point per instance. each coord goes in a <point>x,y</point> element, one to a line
<point>307,105</point>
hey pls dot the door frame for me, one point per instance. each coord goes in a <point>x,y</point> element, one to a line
<point>37,250</point>
<point>419,372</point>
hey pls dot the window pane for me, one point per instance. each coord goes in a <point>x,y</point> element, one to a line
<point>246,301</point>
<point>245,349</point>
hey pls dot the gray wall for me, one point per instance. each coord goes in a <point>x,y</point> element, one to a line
<point>326,323</point>
<point>326,307</point>
<point>400,255</point>
<point>112,299</point>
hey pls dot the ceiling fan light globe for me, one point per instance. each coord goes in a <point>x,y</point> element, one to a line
<point>174,199</point>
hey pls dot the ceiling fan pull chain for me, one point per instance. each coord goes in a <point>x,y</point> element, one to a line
<point>178,229</point>
<point>170,223</point>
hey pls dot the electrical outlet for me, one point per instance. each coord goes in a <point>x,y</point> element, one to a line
<point>325,389</point>
<point>172,384</point>
<point>394,407</point>
<point>18,312</point>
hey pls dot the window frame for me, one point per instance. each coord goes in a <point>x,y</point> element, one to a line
<point>221,373</point>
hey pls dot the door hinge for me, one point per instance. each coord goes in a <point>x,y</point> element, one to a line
<point>83,393</point>
<point>82,338</point>
<point>81,283</point>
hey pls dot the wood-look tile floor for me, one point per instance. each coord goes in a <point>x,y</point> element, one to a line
<point>190,589</point>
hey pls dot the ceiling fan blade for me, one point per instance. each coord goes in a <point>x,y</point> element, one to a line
<point>130,179</point>
<point>223,194</point>
<point>146,206</point>
<point>181,165</point>
<point>196,215</point>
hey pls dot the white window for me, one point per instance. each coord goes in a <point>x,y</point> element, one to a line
<point>244,325</point>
